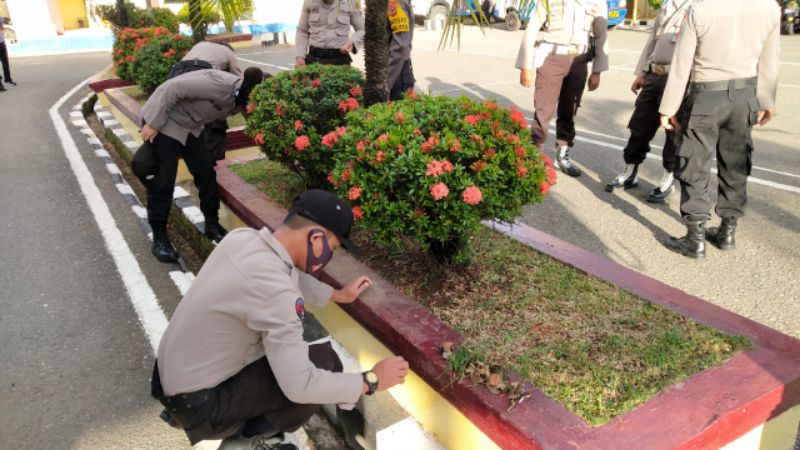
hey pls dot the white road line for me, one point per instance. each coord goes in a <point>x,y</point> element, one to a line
<point>144,300</point>
<point>181,281</point>
<point>265,64</point>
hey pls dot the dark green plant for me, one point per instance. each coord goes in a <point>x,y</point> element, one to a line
<point>165,18</point>
<point>127,42</point>
<point>291,112</point>
<point>153,61</point>
<point>132,17</point>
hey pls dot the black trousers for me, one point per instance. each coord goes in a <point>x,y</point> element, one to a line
<point>4,60</point>
<point>201,165</point>
<point>646,121</point>
<point>718,123</point>
<point>251,393</point>
<point>339,60</point>
<point>404,82</point>
<point>216,134</point>
<point>559,88</point>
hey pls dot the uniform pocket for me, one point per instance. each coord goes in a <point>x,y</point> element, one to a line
<point>343,24</point>
<point>313,18</point>
<point>703,116</point>
<point>752,104</point>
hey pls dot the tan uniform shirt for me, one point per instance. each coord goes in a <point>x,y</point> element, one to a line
<point>660,45</point>
<point>243,305</point>
<point>219,56</point>
<point>571,23</point>
<point>328,26</point>
<point>184,104</point>
<point>726,40</point>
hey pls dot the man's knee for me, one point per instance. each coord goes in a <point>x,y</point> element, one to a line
<point>324,357</point>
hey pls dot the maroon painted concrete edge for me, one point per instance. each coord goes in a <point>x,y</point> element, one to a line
<point>109,83</point>
<point>764,384</point>
<point>132,109</point>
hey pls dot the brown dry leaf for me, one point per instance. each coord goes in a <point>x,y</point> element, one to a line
<point>495,380</point>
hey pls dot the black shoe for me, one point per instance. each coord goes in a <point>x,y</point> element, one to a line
<point>564,163</point>
<point>215,232</point>
<point>353,425</point>
<point>723,237</point>
<point>11,83</point>
<point>626,180</point>
<point>164,251</point>
<point>2,88</point>
<point>664,188</point>
<point>166,417</point>
<point>693,244</point>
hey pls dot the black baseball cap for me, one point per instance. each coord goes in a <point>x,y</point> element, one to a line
<point>326,209</point>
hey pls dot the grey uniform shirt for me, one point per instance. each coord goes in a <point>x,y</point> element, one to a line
<point>328,26</point>
<point>243,305</point>
<point>184,104</point>
<point>726,40</point>
<point>219,56</point>
<point>400,46</point>
<point>660,45</point>
<point>571,23</point>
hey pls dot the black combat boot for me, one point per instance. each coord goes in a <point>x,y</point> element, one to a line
<point>162,248</point>
<point>664,188</point>
<point>723,237</point>
<point>693,244</point>
<point>564,163</point>
<point>629,178</point>
<point>214,232</point>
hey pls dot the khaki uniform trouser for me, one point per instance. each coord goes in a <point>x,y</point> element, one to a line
<point>559,88</point>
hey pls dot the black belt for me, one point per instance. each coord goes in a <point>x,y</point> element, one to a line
<point>739,83</point>
<point>182,67</point>
<point>181,402</point>
<point>325,53</point>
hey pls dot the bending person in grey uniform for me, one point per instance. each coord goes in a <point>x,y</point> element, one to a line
<point>172,124</point>
<point>561,55</point>
<point>651,79</point>
<point>211,55</point>
<point>323,34</point>
<point>732,60</point>
<point>400,76</point>
<point>233,364</point>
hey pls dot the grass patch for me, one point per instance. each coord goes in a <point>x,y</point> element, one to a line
<point>597,349</point>
<point>135,93</point>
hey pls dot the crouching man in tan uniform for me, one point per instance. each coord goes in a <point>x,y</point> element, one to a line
<point>233,362</point>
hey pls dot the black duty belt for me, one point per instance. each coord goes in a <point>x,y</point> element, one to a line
<point>727,85</point>
<point>181,402</point>
<point>325,53</point>
<point>186,66</point>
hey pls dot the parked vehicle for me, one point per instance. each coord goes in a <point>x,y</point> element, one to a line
<point>502,11</point>
<point>790,21</point>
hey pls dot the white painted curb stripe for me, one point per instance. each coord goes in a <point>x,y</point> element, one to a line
<point>141,294</point>
<point>124,189</point>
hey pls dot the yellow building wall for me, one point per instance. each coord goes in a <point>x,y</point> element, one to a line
<point>71,12</point>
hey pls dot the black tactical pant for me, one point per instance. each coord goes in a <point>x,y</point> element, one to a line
<point>559,88</point>
<point>4,61</point>
<point>717,123</point>
<point>646,121</point>
<point>251,393</point>
<point>216,134</point>
<point>201,165</point>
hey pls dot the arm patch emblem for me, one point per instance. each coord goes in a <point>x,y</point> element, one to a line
<point>299,308</point>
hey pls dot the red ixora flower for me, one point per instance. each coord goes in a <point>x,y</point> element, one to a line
<point>490,153</point>
<point>316,82</point>
<point>298,125</point>
<point>302,143</point>
<point>400,118</point>
<point>472,195</point>
<point>356,91</point>
<point>411,95</point>
<point>355,193</point>
<point>551,175</point>
<point>518,118</point>
<point>358,213</point>
<point>548,162</point>
<point>384,137</point>
<point>341,131</point>
<point>350,104</point>
<point>361,145</point>
<point>544,188</point>
<point>522,171</point>
<point>439,191</point>
<point>380,157</point>
<point>250,108</point>
<point>455,145</point>
<point>279,110</point>
<point>130,58</point>
<point>490,105</point>
<point>477,166</point>
<point>428,145</point>
<point>259,139</point>
<point>471,119</point>
<point>330,139</point>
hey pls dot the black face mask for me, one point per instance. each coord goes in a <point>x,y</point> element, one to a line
<point>314,263</point>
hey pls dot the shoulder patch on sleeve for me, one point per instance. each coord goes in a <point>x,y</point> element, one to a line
<point>299,308</point>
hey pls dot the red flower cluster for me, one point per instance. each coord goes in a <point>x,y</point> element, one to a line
<point>330,139</point>
<point>355,193</point>
<point>400,118</point>
<point>439,191</point>
<point>472,195</point>
<point>429,144</point>
<point>259,139</point>
<point>250,108</point>
<point>302,143</point>
<point>356,91</point>
<point>316,82</point>
<point>472,119</point>
<point>279,111</point>
<point>170,52</point>
<point>380,157</point>
<point>436,168</point>
<point>384,137</point>
<point>518,118</point>
<point>455,144</point>
<point>350,104</point>
<point>358,213</point>
<point>298,125</point>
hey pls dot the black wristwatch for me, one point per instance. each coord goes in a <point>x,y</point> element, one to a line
<point>372,381</point>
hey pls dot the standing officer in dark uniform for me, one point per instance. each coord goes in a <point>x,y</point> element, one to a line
<point>400,76</point>
<point>211,55</point>
<point>173,119</point>
<point>561,54</point>
<point>732,60</point>
<point>651,78</point>
<point>323,34</point>
<point>233,363</point>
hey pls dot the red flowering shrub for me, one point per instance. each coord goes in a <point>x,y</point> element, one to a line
<point>154,58</point>
<point>299,113</point>
<point>432,168</point>
<point>128,40</point>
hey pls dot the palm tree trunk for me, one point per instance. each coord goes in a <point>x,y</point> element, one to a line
<point>122,14</point>
<point>376,47</point>
<point>197,21</point>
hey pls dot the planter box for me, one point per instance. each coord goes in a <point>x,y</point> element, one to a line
<point>230,39</point>
<point>709,410</point>
<point>724,405</point>
<point>110,83</point>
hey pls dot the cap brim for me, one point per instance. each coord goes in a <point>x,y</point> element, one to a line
<point>348,245</point>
